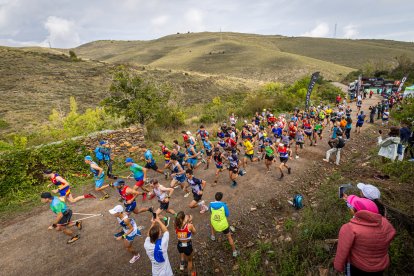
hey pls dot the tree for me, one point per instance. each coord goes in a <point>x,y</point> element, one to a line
<point>136,99</point>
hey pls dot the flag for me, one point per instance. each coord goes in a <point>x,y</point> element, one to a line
<point>402,83</point>
<point>312,82</point>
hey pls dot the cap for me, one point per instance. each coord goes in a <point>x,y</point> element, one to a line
<point>129,160</point>
<point>116,209</point>
<point>88,157</point>
<point>119,182</point>
<point>216,149</point>
<point>48,171</point>
<point>46,195</point>
<point>188,133</point>
<point>369,191</point>
<point>102,142</point>
<point>361,204</point>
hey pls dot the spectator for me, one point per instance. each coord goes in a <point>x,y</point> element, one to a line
<point>405,134</point>
<point>338,144</point>
<point>156,246</point>
<point>363,242</point>
<point>372,193</point>
<point>373,110</point>
<point>389,146</point>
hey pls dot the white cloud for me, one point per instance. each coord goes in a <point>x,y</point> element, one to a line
<point>62,33</point>
<point>321,30</point>
<point>159,21</point>
<point>350,31</point>
<point>194,19</point>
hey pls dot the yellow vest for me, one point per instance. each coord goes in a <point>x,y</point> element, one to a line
<point>218,219</point>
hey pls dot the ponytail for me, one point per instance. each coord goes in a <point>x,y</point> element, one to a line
<point>179,219</point>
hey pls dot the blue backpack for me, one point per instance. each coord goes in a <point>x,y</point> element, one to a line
<point>298,201</point>
<point>98,154</point>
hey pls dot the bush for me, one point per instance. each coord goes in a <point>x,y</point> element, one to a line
<point>73,56</point>
<point>21,169</point>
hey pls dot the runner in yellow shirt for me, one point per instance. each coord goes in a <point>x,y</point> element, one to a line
<point>248,152</point>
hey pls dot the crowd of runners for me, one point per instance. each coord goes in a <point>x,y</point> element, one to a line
<point>272,140</point>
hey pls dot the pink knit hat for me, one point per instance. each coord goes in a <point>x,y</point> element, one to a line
<point>359,204</point>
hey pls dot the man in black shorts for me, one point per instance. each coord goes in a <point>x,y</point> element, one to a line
<point>197,187</point>
<point>163,195</point>
<point>233,167</point>
<point>63,216</point>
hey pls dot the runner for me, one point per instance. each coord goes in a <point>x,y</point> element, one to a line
<point>63,187</point>
<point>208,147</point>
<point>178,173</point>
<point>191,155</point>
<point>150,161</point>
<point>248,153</point>
<point>156,246</point>
<point>218,220</point>
<point>128,196</point>
<point>98,176</point>
<point>63,215</point>
<point>167,156</point>
<point>284,153</point>
<point>317,132</point>
<point>197,186</point>
<point>233,167</point>
<point>185,230</point>
<point>202,133</point>
<point>163,198</point>
<point>129,231</point>
<point>308,130</point>
<point>292,132</point>
<point>218,161</point>
<point>360,122</point>
<point>269,153</point>
<point>103,154</point>
<point>140,175</point>
<point>300,140</point>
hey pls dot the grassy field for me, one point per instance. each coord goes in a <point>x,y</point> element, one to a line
<point>239,55</point>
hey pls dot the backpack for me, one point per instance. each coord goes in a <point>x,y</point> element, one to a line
<point>298,201</point>
<point>341,143</point>
<point>98,154</point>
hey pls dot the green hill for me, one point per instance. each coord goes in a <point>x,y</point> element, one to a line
<point>275,58</point>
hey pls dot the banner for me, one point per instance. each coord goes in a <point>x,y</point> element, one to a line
<point>402,83</point>
<point>312,82</point>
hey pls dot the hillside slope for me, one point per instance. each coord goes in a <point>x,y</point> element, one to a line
<point>33,81</point>
<point>248,55</point>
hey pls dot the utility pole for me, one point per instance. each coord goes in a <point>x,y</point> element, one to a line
<point>50,45</point>
<point>335,30</point>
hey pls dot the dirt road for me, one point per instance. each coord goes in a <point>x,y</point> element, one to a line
<point>30,249</point>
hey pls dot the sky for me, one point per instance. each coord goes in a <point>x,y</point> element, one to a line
<point>70,23</point>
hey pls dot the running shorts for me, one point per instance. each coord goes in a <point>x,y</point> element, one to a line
<point>152,166</point>
<point>284,159</point>
<point>164,205</point>
<point>197,197</point>
<point>139,183</point>
<point>130,207</point>
<point>270,158</point>
<point>67,215</point>
<point>185,247</point>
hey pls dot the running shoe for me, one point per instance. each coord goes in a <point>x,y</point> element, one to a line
<point>73,239</point>
<point>79,225</point>
<point>326,160</point>
<point>289,170</point>
<point>119,234</point>
<point>203,161</point>
<point>104,197</point>
<point>204,209</point>
<point>234,184</point>
<point>213,238</point>
<point>152,196</point>
<point>182,266</point>
<point>166,175</point>
<point>235,254</point>
<point>187,194</point>
<point>89,196</point>
<point>281,176</point>
<point>139,234</point>
<point>140,227</point>
<point>134,259</point>
<point>144,196</point>
<point>111,184</point>
<point>297,156</point>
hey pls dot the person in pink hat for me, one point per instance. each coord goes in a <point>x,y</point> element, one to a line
<point>363,242</point>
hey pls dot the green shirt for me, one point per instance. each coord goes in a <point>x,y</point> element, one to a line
<point>269,151</point>
<point>57,206</point>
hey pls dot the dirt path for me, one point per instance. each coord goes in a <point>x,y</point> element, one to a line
<point>30,249</point>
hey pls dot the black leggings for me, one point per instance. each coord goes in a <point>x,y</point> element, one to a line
<point>354,271</point>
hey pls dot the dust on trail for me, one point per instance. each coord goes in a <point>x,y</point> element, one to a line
<point>30,249</point>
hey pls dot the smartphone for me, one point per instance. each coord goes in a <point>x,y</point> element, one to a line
<point>154,215</point>
<point>343,188</point>
<point>341,191</point>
